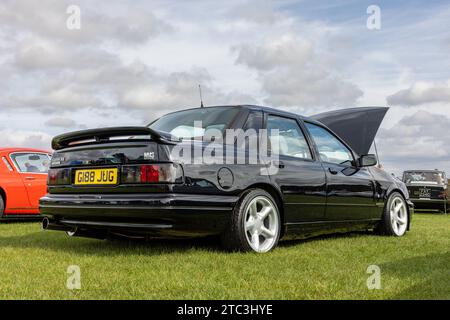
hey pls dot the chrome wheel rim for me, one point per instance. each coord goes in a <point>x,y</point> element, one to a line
<point>261,224</point>
<point>399,216</point>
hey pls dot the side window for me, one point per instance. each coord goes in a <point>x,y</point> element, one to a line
<point>290,140</point>
<point>330,149</point>
<point>31,162</point>
<point>254,121</point>
<point>5,161</point>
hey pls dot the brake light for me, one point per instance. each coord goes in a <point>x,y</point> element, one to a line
<point>149,174</point>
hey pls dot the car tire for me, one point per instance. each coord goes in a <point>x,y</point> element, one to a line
<point>255,223</point>
<point>2,207</point>
<point>395,216</point>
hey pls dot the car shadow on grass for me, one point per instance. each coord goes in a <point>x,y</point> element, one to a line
<point>329,236</point>
<point>430,274</point>
<point>59,241</point>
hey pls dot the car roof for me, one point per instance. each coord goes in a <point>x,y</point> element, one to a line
<point>255,108</point>
<point>420,170</point>
<point>19,149</point>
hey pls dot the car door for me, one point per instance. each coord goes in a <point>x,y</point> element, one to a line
<point>350,190</point>
<point>300,177</point>
<point>11,181</point>
<point>32,169</point>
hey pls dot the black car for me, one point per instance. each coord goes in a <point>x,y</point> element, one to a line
<point>173,178</point>
<point>427,188</point>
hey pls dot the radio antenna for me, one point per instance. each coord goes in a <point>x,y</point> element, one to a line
<point>201,97</point>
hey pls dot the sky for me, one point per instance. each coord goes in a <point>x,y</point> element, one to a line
<point>130,62</point>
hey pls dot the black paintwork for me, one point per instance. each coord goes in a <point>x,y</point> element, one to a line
<point>314,197</point>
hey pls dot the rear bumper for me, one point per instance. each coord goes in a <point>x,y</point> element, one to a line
<point>424,204</point>
<point>162,214</point>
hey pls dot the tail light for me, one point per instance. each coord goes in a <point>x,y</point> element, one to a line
<point>149,173</point>
<point>154,173</point>
<point>58,176</point>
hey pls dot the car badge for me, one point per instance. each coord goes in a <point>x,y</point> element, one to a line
<point>57,160</point>
<point>149,155</point>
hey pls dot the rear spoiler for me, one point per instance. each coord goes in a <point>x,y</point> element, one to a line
<point>104,134</point>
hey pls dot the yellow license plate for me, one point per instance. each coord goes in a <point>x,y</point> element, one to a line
<point>96,176</point>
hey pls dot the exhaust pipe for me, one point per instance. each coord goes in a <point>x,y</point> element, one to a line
<point>74,231</point>
<point>50,225</point>
<point>88,233</point>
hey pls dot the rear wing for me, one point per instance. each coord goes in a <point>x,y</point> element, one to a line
<point>105,134</point>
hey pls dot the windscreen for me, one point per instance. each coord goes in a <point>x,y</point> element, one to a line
<point>428,177</point>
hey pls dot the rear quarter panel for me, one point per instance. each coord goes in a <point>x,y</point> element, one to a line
<point>220,178</point>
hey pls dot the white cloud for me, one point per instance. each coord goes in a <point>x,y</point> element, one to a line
<point>23,138</point>
<point>286,51</point>
<point>421,93</point>
<point>48,19</point>
<point>61,122</point>
<point>417,141</point>
<point>294,74</point>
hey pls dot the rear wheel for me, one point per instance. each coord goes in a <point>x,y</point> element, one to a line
<point>395,217</point>
<point>255,223</point>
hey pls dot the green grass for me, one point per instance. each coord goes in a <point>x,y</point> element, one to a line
<point>33,265</point>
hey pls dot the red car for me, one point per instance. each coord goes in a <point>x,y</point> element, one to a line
<point>23,181</point>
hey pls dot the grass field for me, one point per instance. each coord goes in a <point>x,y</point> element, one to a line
<point>33,265</point>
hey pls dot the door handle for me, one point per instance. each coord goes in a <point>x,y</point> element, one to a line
<point>30,178</point>
<point>277,164</point>
<point>332,171</point>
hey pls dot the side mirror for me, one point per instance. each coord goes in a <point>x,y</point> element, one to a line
<point>367,160</point>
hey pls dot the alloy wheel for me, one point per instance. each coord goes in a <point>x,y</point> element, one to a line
<point>399,215</point>
<point>261,224</point>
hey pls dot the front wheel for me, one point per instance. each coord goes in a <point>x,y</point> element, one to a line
<point>255,223</point>
<point>395,217</point>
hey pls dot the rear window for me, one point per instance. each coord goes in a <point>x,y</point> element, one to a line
<point>194,123</point>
